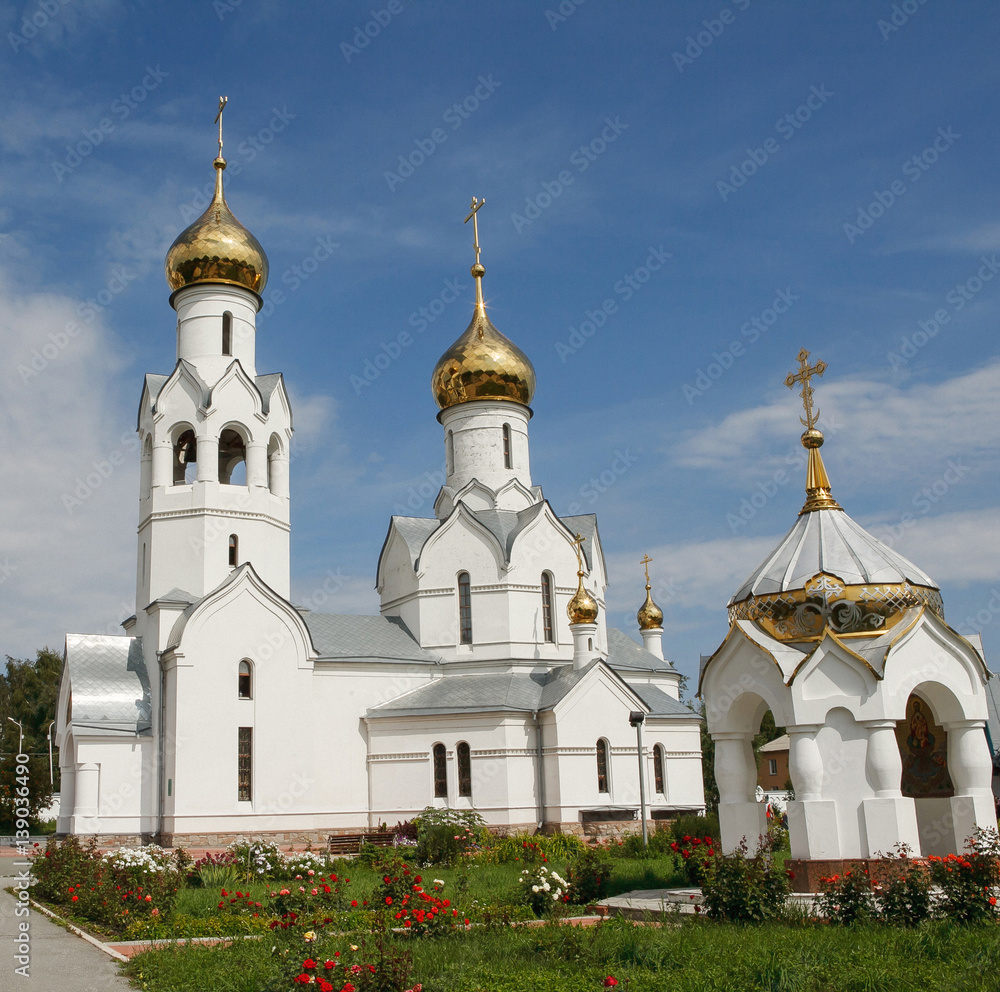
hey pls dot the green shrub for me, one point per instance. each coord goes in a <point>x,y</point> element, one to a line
<point>744,889</point>
<point>443,835</point>
<point>847,899</point>
<point>589,875</point>
<point>969,881</point>
<point>543,890</point>
<point>693,825</point>
<point>530,848</point>
<point>904,898</point>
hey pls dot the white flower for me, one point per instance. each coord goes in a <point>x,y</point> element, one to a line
<point>546,886</point>
<point>534,888</point>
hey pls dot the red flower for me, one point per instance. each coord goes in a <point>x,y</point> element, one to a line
<point>329,964</point>
<point>354,902</point>
<point>686,838</point>
<point>388,900</point>
<point>325,986</point>
<point>225,894</point>
<point>993,900</point>
<point>74,899</point>
<point>222,905</point>
<point>711,851</point>
<point>308,963</point>
<point>610,981</point>
<point>417,878</point>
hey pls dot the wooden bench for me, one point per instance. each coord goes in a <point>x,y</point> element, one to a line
<point>351,843</point>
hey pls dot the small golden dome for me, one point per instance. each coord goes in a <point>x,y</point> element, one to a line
<point>217,248</point>
<point>582,608</point>
<point>650,616</point>
<point>482,365</point>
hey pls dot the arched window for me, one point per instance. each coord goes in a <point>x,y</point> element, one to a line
<point>234,551</point>
<point>602,766</point>
<point>440,772</point>
<point>464,769</point>
<point>658,768</point>
<point>227,333</point>
<point>244,765</point>
<point>232,458</point>
<point>464,609</point>
<point>245,684</point>
<point>449,453</point>
<point>547,629</point>
<point>508,462</point>
<point>185,458</point>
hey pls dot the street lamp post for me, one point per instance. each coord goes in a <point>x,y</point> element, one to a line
<point>52,778</point>
<point>20,732</point>
<point>635,719</point>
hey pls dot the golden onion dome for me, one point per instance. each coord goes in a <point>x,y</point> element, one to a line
<point>582,608</point>
<point>650,616</point>
<point>482,364</point>
<point>217,248</point>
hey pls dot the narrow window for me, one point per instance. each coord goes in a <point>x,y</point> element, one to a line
<point>507,461</point>
<point>658,768</point>
<point>244,680</point>
<point>772,766</point>
<point>185,456</point>
<point>227,333</point>
<point>440,772</point>
<point>464,769</point>
<point>464,608</point>
<point>547,628</point>
<point>602,766</point>
<point>449,452</point>
<point>590,644</point>
<point>244,763</point>
<point>234,551</point>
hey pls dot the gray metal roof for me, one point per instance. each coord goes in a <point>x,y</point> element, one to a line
<point>109,684</point>
<point>586,526</point>
<point>350,637</point>
<point>505,692</point>
<point>414,531</point>
<point>829,541</point>
<point>625,655</point>
<point>266,385</point>
<point>661,703</point>
<point>176,596</point>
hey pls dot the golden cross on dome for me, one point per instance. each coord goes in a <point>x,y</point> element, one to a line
<point>805,373</point>
<point>578,546</point>
<point>473,216</point>
<point>223,100</point>
<point>645,561</point>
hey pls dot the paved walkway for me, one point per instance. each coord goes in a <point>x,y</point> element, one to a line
<point>57,959</point>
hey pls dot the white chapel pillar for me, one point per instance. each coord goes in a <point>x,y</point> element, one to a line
<point>890,817</point>
<point>971,770</point>
<point>812,820</point>
<point>741,818</point>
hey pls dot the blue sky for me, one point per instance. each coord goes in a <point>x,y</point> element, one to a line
<point>678,198</point>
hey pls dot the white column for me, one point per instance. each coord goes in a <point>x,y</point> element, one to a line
<point>279,475</point>
<point>163,463</point>
<point>652,641</point>
<point>741,819</point>
<point>971,770</point>
<point>584,643</point>
<point>208,458</point>
<point>256,464</point>
<point>88,779</point>
<point>890,818</point>
<point>812,820</point>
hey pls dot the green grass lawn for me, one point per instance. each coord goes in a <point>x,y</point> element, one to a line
<point>692,956</point>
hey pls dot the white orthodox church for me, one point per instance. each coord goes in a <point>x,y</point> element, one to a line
<point>488,681</point>
<point>886,706</point>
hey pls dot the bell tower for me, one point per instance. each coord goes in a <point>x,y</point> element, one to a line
<point>215,435</point>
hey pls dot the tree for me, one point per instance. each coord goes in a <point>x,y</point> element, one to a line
<point>708,764</point>
<point>28,693</point>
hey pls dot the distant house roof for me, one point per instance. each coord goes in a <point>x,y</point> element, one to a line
<point>778,744</point>
<point>109,684</point>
